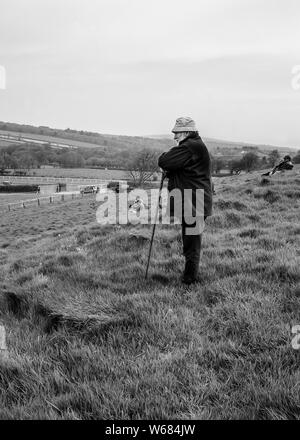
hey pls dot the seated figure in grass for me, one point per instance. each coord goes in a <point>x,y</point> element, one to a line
<point>285,164</point>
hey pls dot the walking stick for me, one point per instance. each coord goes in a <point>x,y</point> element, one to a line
<point>154,226</point>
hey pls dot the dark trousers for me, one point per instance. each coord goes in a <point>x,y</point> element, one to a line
<point>191,251</point>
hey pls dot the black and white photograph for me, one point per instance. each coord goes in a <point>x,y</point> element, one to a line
<point>150,213</point>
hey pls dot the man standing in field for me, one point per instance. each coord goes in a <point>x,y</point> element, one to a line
<point>188,167</point>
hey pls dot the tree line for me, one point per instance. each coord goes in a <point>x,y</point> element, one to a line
<point>249,161</point>
<point>32,156</point>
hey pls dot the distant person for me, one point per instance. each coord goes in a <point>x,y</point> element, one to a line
<point>188,166</point>
<point>285,164</point>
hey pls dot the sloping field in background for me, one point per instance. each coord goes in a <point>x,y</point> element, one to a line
<point>81,139</point>
<point>85,173</point>
<point>89,338</point>
<point>54,139</point>
<point>77,140</point>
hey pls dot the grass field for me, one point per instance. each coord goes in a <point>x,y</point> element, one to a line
<point>77,173</point>
<point>46,138</point>
<point>4,143</point>
<point>88,173</point>
<point>89,338</point>
<point>6,198</point>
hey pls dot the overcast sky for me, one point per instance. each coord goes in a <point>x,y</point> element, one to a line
<point>133,66</point>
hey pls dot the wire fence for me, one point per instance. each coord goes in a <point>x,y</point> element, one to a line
<point>41,201</point>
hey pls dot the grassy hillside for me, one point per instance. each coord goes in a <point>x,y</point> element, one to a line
<point>87,140</point>
<point>32,147</point>
<point>81,139</point>
<point>89,338</point>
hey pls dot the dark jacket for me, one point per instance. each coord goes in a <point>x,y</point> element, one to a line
<point>188,166</point>
<point>282,166</point>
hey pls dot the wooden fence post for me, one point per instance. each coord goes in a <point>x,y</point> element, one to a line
<point>3,346</point>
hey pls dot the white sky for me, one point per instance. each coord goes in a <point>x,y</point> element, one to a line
<point>133,66</point>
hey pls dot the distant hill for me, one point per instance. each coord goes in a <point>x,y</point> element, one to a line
<point>30,146</point>
<point>70,138</point>
<point>76,139</point>
<point>213,143</point>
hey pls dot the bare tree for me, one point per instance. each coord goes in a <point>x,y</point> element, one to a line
<point>249,161</point>
<point>143,166</point>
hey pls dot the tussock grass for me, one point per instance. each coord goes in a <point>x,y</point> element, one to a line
<point>90,338</point>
